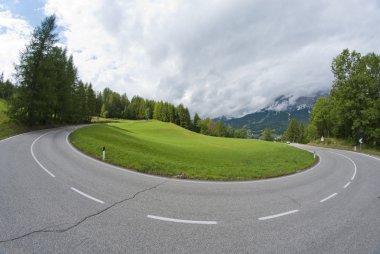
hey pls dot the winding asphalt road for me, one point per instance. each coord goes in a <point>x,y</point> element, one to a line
<point>54,199</point>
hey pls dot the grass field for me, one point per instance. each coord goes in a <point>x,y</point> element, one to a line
<point>165,149</point>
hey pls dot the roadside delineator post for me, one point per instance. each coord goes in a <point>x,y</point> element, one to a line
<point>314,154</point>
<point>104,152</point>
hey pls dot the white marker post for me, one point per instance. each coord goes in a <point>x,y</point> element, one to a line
<point>314,154</point>
<point>360,143</point>
<point>104,152</point>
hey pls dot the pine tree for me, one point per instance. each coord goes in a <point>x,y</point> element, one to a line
<point>292,133</point>
<point>91,100</point>
<point>196,120</point>
<point>183,116</point>
<point>124,105</point>
<point>98,103</point>
<point>31,72</point>
<point>301,134</point>
<point>6,88</point>
<point>157,111</point>
<point>81,103</point>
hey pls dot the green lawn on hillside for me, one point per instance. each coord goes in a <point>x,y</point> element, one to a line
<point>165,149</point>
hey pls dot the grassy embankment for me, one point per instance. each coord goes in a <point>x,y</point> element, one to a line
<point>344,145</point>
<point>8,129</point>
<point>165,149</point>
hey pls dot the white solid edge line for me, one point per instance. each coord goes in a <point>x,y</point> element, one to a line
<point>355,167</point>
<point>347,185</point>
<point>126,170</point>
<point>327,198</point>
<point>34,157</point>
<point>11,137</point>
<point>182,221</point>
<point>373,157</point>
<point>278,215</point>
<point>87,196</point>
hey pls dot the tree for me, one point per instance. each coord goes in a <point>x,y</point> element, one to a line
<point>196,121</point>
<point>312,132</point>
<point>6,88</point>
<point>47,89</point>
<point>183,116</point>
<point>301,134</point>
<point>292,133</point>
<point>157,110</point>
<point>106,102</point>
<point>355,96</point>
<point>220,129</point>
<point>90,99</point>
<point>268,135</point>
<point>149,108</point>
<point>98,103</point>
<point>137,108</point>
<point>81,114</point>
<point>31,75</point>
<point>62,79</point>
<point>321,116</point>
<point>240,133</point>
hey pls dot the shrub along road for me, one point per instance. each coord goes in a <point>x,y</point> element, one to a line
<point>55,199</point>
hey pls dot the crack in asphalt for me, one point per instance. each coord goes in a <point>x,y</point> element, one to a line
<point>48,230</point>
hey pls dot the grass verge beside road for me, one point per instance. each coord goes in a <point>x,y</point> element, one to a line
<point>165,149</point>
<point>344,145</point>
<point>7,128</point>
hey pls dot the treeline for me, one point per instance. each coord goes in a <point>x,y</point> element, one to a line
<point>352,109</point>
<point>110,104</point>
<point>218,129</point>
<point>48,90</point>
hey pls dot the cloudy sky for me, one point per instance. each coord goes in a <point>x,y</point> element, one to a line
<point>218,57</point>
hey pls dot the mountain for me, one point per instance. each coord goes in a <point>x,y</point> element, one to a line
<point>276,116</point>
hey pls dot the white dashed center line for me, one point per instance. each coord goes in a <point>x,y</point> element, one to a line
<point>87,196</point>
<point>182,221</point>
<point>327,198</point>
<point>278,215</point>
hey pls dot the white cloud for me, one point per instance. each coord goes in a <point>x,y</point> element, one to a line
<point>217,57</point>
<point>14,34</point>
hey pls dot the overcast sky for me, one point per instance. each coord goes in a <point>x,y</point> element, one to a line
<point>216,57</point>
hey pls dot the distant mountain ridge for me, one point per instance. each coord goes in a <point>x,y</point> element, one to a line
<point>275,116</point>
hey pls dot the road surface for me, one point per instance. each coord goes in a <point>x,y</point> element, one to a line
<point>54,199</point>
